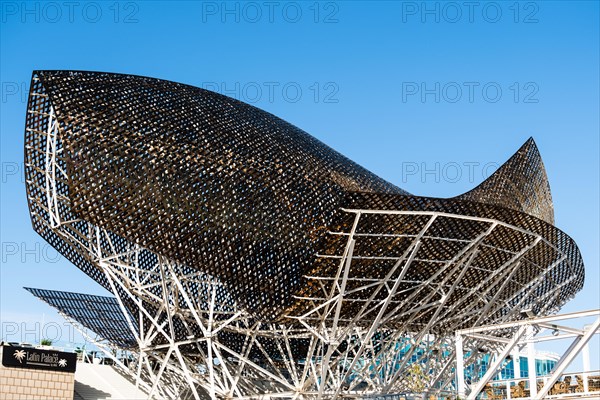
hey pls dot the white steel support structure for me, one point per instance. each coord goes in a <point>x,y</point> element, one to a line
<point>529,332</point>
<point>531,361</point>
<point>392,344</point>
<point>110,351</point>
<point>586,365</point>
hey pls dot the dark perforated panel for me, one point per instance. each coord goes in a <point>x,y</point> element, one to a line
<point>227,189</point>
<point>188,173</point>
<point>100,314</point>
<point>554,263</point>
<point>520,184</point>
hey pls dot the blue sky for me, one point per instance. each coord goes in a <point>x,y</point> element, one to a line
<point>430,96</point>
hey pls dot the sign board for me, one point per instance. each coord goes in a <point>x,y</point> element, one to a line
<point>30,358</point>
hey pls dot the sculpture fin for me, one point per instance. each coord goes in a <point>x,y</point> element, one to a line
<point>520,184</point>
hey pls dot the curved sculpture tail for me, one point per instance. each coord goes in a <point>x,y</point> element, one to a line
<point>520,184</point>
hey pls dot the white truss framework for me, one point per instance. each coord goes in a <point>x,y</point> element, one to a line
<point>384,348</point>
<point>527,333</point>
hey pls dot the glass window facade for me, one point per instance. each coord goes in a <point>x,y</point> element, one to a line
<point>542,367</point>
